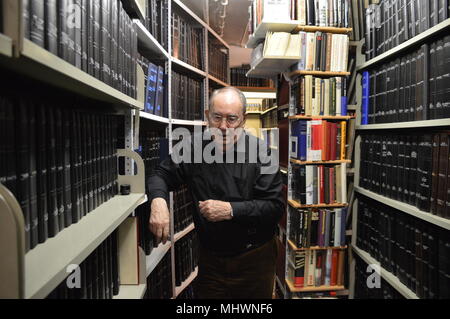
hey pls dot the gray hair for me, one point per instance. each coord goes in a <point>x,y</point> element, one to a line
<point>238,92</point>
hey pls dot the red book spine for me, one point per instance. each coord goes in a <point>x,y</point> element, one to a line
<point>332,186</point>
<point>334,267</point>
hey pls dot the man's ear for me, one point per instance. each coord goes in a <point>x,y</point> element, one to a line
<point>206,115</point>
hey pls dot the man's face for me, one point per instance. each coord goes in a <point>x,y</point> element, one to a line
<point>226,115</point>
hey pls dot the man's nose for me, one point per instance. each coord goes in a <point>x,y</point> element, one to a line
<point>223,125</point>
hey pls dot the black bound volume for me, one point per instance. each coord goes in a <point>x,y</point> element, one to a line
<point>53,218</point>
<point>96,37</point>
<point>59,150</point>
<point>105,40</point>
<point>85,6</point>
<point>37,12</point>
<point>67,181</point>
<point>63,35</point>
<point>51,26</point>
<point>41,148</point>
<point>77,32</point>
<point>26,19</point>
<point>31,109</point>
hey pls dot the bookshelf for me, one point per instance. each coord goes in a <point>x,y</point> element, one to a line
<point>153,117</point>
<point>148,43</point>
<point>156,256</point>
<point>398,50</point>
<point>274,26</point>
<point>269,66</point>
<point>188,123</point>
<point>217,81</point>
<point>187,282</point>
<point>386,275</point>
<point>256,89</point>
<point>419,218</point>
<point>292,288</point>
<point>183,233</point>
<point>42,65</point>
<point>182,66</point>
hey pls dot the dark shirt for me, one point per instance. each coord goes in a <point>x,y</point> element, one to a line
<point>256,199</point>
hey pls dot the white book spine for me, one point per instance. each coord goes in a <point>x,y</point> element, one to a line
<point>318,271</point>
<point>323,4</point>
<point>337,227</point>
<point>339,16</point>
<point>303,50</point>
<point>309,184</point>
<point>333,53</point>
<point>301,12</point>
<point>308,95</point>
<point>338,96</point>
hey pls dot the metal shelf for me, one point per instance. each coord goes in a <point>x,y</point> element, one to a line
<point>45,265</point>
<point>156,256</point>
<point>386,275</point>
<point>403,125</point>
<point>406,208</point>
<point>220,82</point>
<point>318,73</point>
<point>274,26</point>
<point>269,66</point>
<point>183,233</point>
<point>153,117</point>
<point>131,291</point>
<point>419,39</point>
<point>292,288</point>
<point>148,42</point>
<point>308,28</point>
<point>45,66</point>
<point>5,45</point>
<point>187,282</point>
<point>187,67</point>
<point>187,122</point>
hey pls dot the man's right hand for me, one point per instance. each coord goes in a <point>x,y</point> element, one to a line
<point>159,220</point>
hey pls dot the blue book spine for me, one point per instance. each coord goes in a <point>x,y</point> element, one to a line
<point>152,78</point>
<point>365,99</point>
<point>344,99</point>
<point>302,142</point>
<point>159,101</point>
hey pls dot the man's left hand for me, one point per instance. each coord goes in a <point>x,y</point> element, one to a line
<point>215,210</point>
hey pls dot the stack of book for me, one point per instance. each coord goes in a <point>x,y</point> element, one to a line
<point>415,251</point>
<point>320,51</point>
<point>318,140</point>
<point>60,162</point>
<point>155,82</point>
<point>410,88</point>
<point>218,58</point>
<point>186,97</point>
<point>314,96</point>
<point>409,168</point>
<point>392,22</point>
<point>187,42</point>
<point>156,20</point>
<point>159,282</point>
<point>186,257</point>
<point>239,78</point>
<point>96,36</point>
<point>317,227</point>
<point>182,209</point>
<point>315,268</point>
<point>318,184</point>
<point>99,275</point>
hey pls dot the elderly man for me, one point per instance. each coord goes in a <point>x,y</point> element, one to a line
<point>237,207</point>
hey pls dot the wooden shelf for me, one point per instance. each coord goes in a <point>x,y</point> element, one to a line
<point>274,26</point>
<point>176,63</point>
<point>45,265</point>
<point>319,73</point>
<point>131,291</point>
<point>334,30</point>
<point>386,275</point>
<point>269,66</point>
<point>406,208</point>
<point>156,256</point>
<point>256,89</point>
<point>216,80</point>
<point>6,47</point>
<point>183,233</point>
<point>148,43</point>
<point>268,110</point>
<point>294,247</point>
<point>153,117</point>
<point>187,282</point>
<point>296,204</point>
<point>417,40</point>
<point>292,288</point>
<point>321,117</point>
<point>405,125</point>
<point>187,122</point>
<point>44,66</point>
<point>319,162</point>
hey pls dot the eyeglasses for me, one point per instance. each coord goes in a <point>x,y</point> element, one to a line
<point>230,119</point>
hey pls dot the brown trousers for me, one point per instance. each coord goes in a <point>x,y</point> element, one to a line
<point>246,276</point>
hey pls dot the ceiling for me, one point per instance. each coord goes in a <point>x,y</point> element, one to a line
<point>236,18</point>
